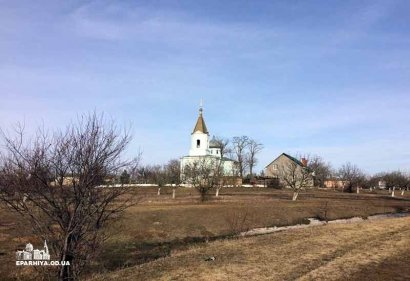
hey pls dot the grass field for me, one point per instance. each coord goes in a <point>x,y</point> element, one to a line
<point>376,250</point>
<point>160,227</point>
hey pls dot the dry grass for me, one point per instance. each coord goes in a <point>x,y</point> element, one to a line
<point>163,219</point>
<point>374,250</point>
<point>159,226</point>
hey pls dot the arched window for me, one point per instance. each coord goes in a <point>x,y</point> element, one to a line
<point>198,143</point>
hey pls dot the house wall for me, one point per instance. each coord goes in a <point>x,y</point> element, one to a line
<point>276,168</point>
<point>273,169</point>
<point>333,183</point>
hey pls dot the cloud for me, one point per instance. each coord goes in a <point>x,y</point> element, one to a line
<point>306,77</point>
<point>118,22</point>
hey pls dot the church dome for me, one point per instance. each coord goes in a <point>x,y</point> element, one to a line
<point>213,143</point>
<point>29,247</point>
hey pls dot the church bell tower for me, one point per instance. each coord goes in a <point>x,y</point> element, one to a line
<point>199,137</point>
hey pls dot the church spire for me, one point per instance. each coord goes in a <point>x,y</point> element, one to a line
<point>45,247</point>
<point>200,123</point>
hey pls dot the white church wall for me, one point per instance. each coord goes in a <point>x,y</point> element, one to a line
<point>229,168</point>
<point>202,149</point>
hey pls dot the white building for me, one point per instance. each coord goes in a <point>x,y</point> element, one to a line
<point>29,253</point>
<point>202,148</point>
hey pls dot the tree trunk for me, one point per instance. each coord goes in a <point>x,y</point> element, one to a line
<point>295,195</point>
<point>392,193</point>
<point>66,272</point>
<point>159,191</point>
<point>217,192</point>
<point>402,192</point>
<point>358,190</point>
<point>173,193</point>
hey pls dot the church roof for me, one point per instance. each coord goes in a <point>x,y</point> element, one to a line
<point>213,143</point>
<point>290,157</point>
<point>200,124</point>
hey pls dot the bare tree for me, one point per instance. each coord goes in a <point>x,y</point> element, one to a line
<point>374,180</point>
<point>321,169</point>
<point>295,176</point>
<point>240,219</point>
<point>396,179</point>
<point>173,171</point>
<point>158,176</point>
<point>125,177</point>
<point>204,174</point>
<point>406,183</point>
<point>351,175</point>
<point>221,178</point>
<point>56,183</point>
<point>253,149</point>
<point>240,144</point>
<point>140,175</point>
<point>223,145</point>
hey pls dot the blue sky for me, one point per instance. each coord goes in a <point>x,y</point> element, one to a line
<point>320,77</point>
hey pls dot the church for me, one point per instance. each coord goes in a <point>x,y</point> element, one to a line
<point>202,148</point>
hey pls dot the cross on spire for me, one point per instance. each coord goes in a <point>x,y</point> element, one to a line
<point>200,123</point>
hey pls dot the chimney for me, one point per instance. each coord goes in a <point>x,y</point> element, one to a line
<point>304,161</point>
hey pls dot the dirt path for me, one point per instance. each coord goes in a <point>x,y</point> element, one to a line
<point>370,250</point>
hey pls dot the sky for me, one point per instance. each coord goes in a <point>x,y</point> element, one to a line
<point>327,78</point>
